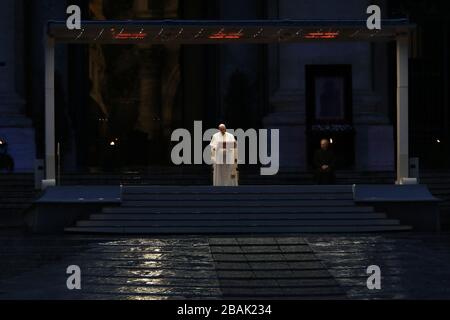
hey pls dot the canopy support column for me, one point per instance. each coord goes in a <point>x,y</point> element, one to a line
<point>402,109</point>
<point>50,158</point>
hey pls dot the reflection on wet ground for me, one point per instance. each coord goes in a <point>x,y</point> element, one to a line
<point>413,266</point>
<point>310,267</point>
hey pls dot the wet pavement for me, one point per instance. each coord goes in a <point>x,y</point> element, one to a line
<point>413,266</point>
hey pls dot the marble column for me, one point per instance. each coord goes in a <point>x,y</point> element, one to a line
<point>15,127</point>
<point>149,116</point>
<point>170,74</point>
<point>402,109</point>
<point>242,58</point>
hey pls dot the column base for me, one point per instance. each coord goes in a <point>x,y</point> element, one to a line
<point>48,183</point>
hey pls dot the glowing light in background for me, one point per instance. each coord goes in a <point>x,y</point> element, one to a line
<point>114,142</point>
<point>226,35</point>
<point>131,36</point>
<point>322,35</point>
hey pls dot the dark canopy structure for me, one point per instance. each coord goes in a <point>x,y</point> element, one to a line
<point>228,32</point>
<point>217,31</point>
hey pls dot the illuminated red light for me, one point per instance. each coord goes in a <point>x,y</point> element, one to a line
<point>129,36</point>
<point>322,35</point>
<point>222,35</point>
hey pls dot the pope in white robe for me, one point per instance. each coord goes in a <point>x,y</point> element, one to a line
<point>224,158</point>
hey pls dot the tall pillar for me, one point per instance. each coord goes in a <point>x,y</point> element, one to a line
<point>148,120</point>
<point>50,163</point>
<point>402,109</point>
<point>15,128</point>
<point>11,103</point>
<point>170,75</point>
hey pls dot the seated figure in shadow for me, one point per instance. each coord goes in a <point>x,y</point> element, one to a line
<point>324,164</point>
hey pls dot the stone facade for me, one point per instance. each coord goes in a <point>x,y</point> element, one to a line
<point>374,142</point>
<point>15,128</point>
<point>284,77</point>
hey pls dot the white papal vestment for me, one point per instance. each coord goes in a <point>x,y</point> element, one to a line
<point>224,157</point>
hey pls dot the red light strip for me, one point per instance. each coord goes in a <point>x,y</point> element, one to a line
<point>222,35</point>
<point>128,36</point>
<point>322,35</point>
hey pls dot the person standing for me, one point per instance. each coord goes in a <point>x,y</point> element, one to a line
<point>224,157</point>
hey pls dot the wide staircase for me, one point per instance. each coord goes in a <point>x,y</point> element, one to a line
<point>202,176</point>
<point>244,210</point>
<point>16,195</point>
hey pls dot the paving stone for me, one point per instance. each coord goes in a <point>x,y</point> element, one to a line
<point>232,266</point>
<point>222,241</point>
<point>310,274</point>
<point>269,265</point>
<point>106,274</point>
<point>330,282</point>
<point>313,267</point>
<point>411,265</point>
<point>295,248</point>
<point>291,241</point>
<point>265,249</point>
<point>228,283</point>
<point>256,241</point>
<point>226,249</point>
<point>281,257</point>
<point>224,257</point>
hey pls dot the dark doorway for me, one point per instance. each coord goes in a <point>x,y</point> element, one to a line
<point>329,111</point>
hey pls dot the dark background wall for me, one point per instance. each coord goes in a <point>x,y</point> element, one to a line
<point>207,70</point>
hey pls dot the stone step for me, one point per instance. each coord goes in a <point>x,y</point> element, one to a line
<point>437,189</point>
<point>241,210</point>
<point>173,180</point>
<point>207,182</point>
<point>19,194</point>
<point>236,223</point>
<point>183,182</point>
<point>438,186</point>
<point>238,230</point>
<point>13,177</point>
<point>202,176</point>
<point>16,195</point>
<point>236,204</point>
<point>20,184</point>
<point>347,189</point>
<point>238,216</point>
<point>245,210</point>
<point>233,197</point>
<point>15,200</point>
<point>20,205</point>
